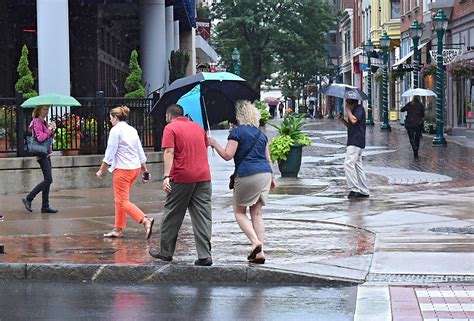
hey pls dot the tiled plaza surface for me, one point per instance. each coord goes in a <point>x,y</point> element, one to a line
<point>437,303</point>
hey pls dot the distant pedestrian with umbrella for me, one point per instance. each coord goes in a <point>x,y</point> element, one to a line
<point>42,131</point>
<point>355,123</point>
<point>248,146</point>
<point>414,122</point>
<point>187,182</point>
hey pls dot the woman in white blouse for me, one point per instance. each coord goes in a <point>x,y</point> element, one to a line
<point>125,158</point>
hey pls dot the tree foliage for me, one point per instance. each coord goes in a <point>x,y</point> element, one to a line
<point>25,81</point>
<point>280,36</point>
<point>133,84</point>
<point>178,63</point>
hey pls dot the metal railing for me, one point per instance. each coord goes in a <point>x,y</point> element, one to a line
<point>83,129</point>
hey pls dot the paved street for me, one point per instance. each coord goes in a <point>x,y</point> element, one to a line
<point>79,301</point>
<point>415,229</point>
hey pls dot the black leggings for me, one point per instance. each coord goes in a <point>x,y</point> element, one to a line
<point>414,133</point>
<point>45,163</point>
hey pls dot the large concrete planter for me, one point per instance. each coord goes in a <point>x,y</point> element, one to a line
<point>292,165</point>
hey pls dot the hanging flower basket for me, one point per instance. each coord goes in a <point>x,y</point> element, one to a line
<point>379,76</point>
<point>461,69</point>
<point>428,70</point>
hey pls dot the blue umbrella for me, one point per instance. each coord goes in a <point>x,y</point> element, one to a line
<point>218,93</point>
<point>191,103</point>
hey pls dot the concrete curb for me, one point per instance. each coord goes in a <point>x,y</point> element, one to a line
<point>159,273</point>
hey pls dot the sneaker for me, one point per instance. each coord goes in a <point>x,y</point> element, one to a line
<point>203,262</point>
<point>157,255</point>
<point>48,210</point>
<point>27,204</point>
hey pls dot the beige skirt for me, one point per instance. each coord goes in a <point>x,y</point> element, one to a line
<point>248,190</point>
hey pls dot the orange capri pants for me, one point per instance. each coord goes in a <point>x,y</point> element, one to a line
<point>123,182</point>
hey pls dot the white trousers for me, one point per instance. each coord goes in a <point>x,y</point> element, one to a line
<point>355,174</point>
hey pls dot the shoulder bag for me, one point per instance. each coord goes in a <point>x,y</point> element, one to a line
<point>37,148</point>
<point>232,177</point>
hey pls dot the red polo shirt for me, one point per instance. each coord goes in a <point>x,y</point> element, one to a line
<point>189,140</point>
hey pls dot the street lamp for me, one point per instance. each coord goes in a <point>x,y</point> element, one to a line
<point>385,44</point>
<point>236,61</point>
<point>415,31</point>
<point>440,23</point>
<point>369,48</point>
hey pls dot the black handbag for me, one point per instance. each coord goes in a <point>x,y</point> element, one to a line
<point>37,148</point>
<point>232,177</point>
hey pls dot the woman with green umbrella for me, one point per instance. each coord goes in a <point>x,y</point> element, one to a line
<point>41,130</point>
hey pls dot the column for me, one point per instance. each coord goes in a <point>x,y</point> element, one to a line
<point>153,44</point>
<point>176,35</point>
<point>53,46</point>
<point>188,44</point>
<point>169,37</point>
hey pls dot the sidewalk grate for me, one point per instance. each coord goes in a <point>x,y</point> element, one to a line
<point>457,230</point>
<point>419,278</point>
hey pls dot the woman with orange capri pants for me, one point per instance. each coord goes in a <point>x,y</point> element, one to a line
<point>125,158</point>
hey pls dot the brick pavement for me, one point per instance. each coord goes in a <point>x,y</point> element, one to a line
<point>454,302</point>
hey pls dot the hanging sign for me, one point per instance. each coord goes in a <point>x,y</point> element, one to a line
<point>449,55</point>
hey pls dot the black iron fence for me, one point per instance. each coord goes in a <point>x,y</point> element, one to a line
<point>80,130</point>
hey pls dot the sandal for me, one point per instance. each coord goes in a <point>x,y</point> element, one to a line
<point>254,252</point>
<point>114,234</point>
<point>148,224</point>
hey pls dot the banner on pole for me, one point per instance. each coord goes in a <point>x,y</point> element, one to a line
<point>449,55</point>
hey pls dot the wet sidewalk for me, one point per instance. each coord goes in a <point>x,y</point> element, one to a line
<point>417,222</point>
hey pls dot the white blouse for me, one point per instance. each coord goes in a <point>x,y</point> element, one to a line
<point>124,149</point>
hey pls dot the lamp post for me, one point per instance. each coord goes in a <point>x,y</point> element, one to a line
<point>415,31</point>
<point>385,44</point>
<point>440,23</point>
<point>369,48</point>
<point>236,61</point>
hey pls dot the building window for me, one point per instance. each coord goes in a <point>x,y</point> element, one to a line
<point>395,9</point>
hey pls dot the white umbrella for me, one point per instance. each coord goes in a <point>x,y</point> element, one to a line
<point>418,92</point>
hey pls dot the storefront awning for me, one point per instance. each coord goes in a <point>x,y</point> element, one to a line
<point>404,59</point>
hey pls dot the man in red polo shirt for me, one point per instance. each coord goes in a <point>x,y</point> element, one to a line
<point>187,181</point>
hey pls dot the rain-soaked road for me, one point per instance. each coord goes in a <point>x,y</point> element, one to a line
<point>78,301</point>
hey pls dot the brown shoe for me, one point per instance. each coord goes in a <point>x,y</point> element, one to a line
<point>157,255</point>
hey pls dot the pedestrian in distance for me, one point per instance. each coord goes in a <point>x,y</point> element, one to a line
<point>414,122</point>
<point>310,111</point>
<point>125,158</point>
<point>187,182</point>
<point>281,107</point>
<point>40,128</point>
<point>272,108</point>
<point>355,123</point>
<point>248,147</point>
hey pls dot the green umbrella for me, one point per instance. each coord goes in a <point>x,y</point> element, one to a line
<point>50,100</point>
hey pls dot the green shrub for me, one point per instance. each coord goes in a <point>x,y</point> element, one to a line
<point>178,63</point>
<point>133,82</point>
<point>25,81</point>
<point>264,113</point>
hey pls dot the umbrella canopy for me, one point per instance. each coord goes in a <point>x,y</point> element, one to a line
<point>418,92</point>
<point>272,101</point>
<point>218,93</point>
<point>344,91</point>
<point>50,100</point>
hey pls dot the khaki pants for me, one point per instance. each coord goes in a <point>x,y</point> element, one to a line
<point>355,174</point>
<point>197,198</point>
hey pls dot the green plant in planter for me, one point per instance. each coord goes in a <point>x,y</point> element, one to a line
<point>289,134</point>
<point>26,80</point>
<point>264,113</point>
